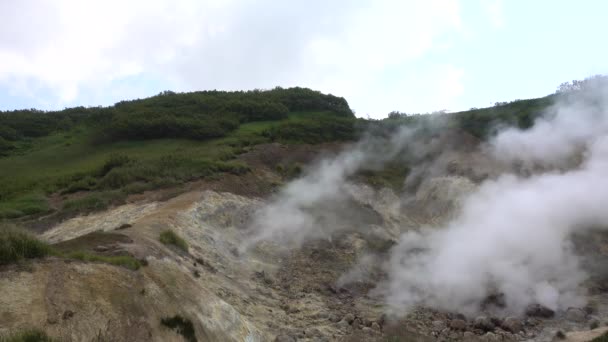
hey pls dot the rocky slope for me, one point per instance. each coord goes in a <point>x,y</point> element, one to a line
<point>321,291</point>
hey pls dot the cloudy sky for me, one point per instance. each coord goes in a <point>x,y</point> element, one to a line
<point>412,56</point>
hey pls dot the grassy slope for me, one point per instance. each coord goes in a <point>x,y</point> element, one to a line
<point>50,164</point>
<point>45,165</point>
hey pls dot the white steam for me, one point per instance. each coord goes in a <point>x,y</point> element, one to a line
<point>512,235</point>
<point>309,207</point>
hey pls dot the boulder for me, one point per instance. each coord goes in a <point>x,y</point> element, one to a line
<point>576,315</point>
<point>512,324</point>
<point>458,324</point>
<point>537,310</point>
<point>483,323</point>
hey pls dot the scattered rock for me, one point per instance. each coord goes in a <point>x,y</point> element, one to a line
<point>101,248</point>
<point>343,324</point>
<point>537,310</point>
<point>512,324</point>
<point>67,314</point>
<point>350,318</point>
<point>367,330</point>
<point>491,337</point>
<point>483,323</point>
<point>458,324</point>
<point>124,226</point>
<point>376,326</point>
<point>438,325</point>
<point>560,335</point>
<point>284,338</point>
<point>333,318</point>
<point>468,336</point>
<point>312,332</point>
<point>576,315</point>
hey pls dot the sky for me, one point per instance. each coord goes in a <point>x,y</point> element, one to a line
<point>413,56</point>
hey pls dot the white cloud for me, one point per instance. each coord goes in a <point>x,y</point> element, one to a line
<point>343,47</point>
<point>495,12</point>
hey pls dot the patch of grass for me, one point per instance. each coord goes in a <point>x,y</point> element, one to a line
<point>29,204</point>
<point>126,261</point>
<point>27,336</point>
<point>181,325</point>
<point>390,176</point>
<point>168,237</point>
<point>603,338</point>
<point>16,245</point>
<point>93,202</point>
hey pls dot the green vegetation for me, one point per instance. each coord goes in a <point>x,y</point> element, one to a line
<point>603,338</point>
<point>26,336</point>
<point>162,141</point>
<point>27,204</point>
<point>17,245</point>
<point>168,237</point>
<point>181,325</point>
<point>391,175</point>
<point>126,261</point>
<point>93,158</point>
<point>313,128</point>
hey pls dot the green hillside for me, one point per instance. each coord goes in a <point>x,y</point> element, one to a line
<point>107,153</point>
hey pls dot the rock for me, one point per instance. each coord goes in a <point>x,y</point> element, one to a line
<point>333,318</point>
<point>512,324</point>
<point>376,326</point>
<point>343,324</point>
<point>367,330</point>
<point>438,325</point>
<point>124,226</point>
<point>356,323</point>
<point>576,315</point>
<point>101,248</point>
<point>559,335</point>
<point>468,336</point>
<point>483,323</point>
<point>68,314</point>
<point>284,338</point>
<point>490,337</point>
<point>537,310</point>
<point>311,332</point>
<point>458,324</point>
<point>350,318</point>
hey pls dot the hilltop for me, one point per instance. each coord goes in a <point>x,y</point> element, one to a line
<point>80,159</point>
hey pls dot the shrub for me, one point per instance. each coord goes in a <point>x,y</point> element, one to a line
<point>181,325</point>
<point>114,161</point>
<point>168,237</point>
<point>85,204</point>
<point>16,244</point>
<point>126,261</point>
<point>26,336</point>
<point>29,204</point>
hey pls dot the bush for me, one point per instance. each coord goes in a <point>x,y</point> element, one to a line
<point>182,326</point>
<point>313,129</point>
<point>27,336</point>
<point>93,202</point>
<point>115,160</point>
<point>16,244</point>
<point>29,204</point>
<point>126,261</point>
<point>168,237</point>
